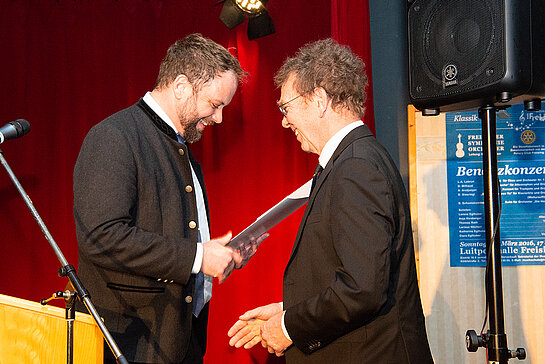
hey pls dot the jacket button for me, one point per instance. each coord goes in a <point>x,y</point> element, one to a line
<point>192,224</point>
<point>188,188</point>
<point>181,151</point>
<point>188,299</point>
<point>314,345</point>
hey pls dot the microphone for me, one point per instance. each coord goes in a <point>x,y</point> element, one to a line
<point>14,129</point>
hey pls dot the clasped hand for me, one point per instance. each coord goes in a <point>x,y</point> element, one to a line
<point>217,256</point>
<point>262,324</point>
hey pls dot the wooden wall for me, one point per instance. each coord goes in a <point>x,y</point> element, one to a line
<point>454,298</point>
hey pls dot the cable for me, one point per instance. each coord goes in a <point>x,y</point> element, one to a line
<point>489,252</point>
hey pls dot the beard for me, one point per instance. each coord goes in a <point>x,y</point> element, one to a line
<point>187,114</point>
<point>191,134</point>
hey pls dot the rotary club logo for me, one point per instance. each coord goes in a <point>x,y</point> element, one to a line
<point>528,137</point>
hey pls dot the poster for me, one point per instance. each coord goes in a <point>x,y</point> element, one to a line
<point>521,170</point>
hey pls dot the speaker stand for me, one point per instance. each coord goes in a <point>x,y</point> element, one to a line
<point>495,340</point>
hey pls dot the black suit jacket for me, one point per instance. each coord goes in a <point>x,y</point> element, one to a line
<point>136,223</point>
<point>350,288</point>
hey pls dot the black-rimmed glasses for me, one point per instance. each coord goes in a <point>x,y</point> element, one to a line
<point>283,109</point>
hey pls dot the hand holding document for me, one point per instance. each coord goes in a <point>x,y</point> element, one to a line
<point>247,241</point>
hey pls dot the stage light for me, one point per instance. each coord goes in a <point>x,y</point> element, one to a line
<point>234,12</point>
<point>250,6</point>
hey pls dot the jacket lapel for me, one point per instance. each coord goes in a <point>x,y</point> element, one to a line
<point>166,129</point>
<point>359,132</point>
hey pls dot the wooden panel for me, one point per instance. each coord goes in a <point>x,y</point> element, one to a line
<point>32,333</point>
<point>454,298</point>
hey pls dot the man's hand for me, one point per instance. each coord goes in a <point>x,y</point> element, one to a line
<point>248,251</point>
<point>216,256</point>
<point>246,331</point>
<point>272,335</point>
<point>242,255</point>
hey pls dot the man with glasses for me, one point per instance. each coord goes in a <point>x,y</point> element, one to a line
<point>141,212</point>
<point>350,287</point>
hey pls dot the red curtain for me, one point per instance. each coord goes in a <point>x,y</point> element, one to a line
<point>68,64</point>
<point>350,25</point>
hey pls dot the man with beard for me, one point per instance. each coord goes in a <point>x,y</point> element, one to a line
<point>141,210</point>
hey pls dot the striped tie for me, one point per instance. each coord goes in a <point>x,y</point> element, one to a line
<point>317,172</point>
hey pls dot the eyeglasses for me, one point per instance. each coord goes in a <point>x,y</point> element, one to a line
<point>283,109</point>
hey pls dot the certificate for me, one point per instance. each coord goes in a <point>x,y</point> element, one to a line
<point>265,222</point>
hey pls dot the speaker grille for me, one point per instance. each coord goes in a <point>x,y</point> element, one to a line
<point>456,46</point>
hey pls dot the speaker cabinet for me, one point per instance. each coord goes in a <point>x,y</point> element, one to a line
<point>468,53</point>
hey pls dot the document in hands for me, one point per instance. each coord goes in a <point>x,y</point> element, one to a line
<point>277,213</point>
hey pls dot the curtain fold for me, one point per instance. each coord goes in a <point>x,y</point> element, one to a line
<point>350,26</point>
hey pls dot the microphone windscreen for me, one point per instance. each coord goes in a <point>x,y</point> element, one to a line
<point>22,126</point>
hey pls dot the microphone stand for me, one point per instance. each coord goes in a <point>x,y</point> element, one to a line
<point>67,270</point>
<point>70,316</point>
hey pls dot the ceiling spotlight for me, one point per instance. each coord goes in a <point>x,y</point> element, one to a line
<point>234,12</point>
<point>250,6</point>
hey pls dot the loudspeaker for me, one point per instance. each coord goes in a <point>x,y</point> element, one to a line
<point>470,53</point>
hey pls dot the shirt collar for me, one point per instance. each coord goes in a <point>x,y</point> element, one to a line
<point>334,141</point>
<point>148,99</point>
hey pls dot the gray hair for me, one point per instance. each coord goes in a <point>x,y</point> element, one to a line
<point>331,66</point>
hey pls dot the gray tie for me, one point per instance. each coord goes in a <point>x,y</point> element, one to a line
<point>198,296</point>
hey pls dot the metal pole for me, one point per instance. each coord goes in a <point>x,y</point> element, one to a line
<point>497,343</point>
